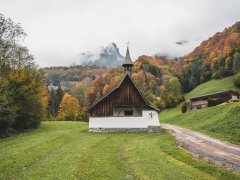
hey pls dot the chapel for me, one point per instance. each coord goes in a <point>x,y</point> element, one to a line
<point>124,109</point>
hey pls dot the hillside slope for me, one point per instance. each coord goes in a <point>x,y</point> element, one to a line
<point>217,57</point>
<point>222,122</point>
<point>220,44</point>
<point>205,88</point>
<point>212,86</point>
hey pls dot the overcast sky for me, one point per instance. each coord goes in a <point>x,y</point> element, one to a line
<point>59,30</point>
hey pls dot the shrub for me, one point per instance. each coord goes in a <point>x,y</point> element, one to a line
<point>184,107</point>
<point>21,105</point>
<point>236,80</point>
<point>7,118</point>
<point>215,75</point>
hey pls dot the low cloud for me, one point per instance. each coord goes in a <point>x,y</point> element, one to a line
<point>59,30</point>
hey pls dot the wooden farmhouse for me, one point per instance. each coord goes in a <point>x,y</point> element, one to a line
<point>223,96</point>
<point>124,109</point>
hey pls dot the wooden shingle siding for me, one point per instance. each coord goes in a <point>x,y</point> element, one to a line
<point>125,95</point>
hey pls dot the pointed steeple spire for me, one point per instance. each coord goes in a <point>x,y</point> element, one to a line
<point>127,63</point>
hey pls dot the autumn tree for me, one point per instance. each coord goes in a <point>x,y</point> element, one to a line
<point>164,97</point>
<point>175,88</point>
<point>99,85</point>
<point>21,84</point>
<point>91,95</point>
<point>24,91</point>
<point>69,108</point>
<point>140,79</point>
<point>170,94</point>
<point>44,99</point>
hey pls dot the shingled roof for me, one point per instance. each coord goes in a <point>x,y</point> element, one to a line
<point>214,94</point>
<point>125,76</point>
<point>127,61</point>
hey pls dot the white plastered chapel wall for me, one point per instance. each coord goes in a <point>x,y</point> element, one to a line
<point>148,118</point>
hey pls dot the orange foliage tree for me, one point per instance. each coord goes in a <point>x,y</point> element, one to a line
<point>69,108</point>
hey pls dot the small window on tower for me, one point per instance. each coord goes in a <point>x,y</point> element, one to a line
<point>128,113</point>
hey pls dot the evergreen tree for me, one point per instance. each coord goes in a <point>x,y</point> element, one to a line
<point>221,62</point>
<point>7,118</point>
<point>195,72</point>
<point>228,63</point>
<point>206,73</point>
<point>7,111</point>
<point>59,96</point>
<point>236,62</point>
<point>52,103</point>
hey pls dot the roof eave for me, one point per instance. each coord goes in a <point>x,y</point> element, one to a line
<point>214,93</point>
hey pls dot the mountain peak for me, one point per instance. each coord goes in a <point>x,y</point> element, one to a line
<point>108,56</point>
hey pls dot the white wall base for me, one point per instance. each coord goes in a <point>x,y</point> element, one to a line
<point>144,121</point>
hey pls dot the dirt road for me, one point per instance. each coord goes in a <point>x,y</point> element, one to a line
<point>214,150</point>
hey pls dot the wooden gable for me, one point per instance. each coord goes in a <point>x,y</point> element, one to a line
<point>126,94</point>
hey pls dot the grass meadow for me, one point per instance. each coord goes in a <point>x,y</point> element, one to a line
<point>66,150</point>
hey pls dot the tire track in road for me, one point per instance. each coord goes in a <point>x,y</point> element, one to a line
<point>219,152</point>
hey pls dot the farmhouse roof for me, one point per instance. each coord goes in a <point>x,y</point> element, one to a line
<point>215,93</point>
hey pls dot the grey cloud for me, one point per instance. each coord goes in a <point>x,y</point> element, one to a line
<point>59,30</point>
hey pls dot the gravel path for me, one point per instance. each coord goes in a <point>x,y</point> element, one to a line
<point>214,150</point>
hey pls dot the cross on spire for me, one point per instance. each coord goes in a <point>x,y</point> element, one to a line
<point>128,43</point>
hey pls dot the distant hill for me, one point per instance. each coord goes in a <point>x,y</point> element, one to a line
<point>221,44</point>
<point>57,74</point>
<point>108,56</point>
<point>217,57</point>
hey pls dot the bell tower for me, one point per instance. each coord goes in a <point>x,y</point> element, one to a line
<point>127,63</point>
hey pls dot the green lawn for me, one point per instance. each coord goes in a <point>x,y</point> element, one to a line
<point>66,150</point>
<point>170,113</point>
